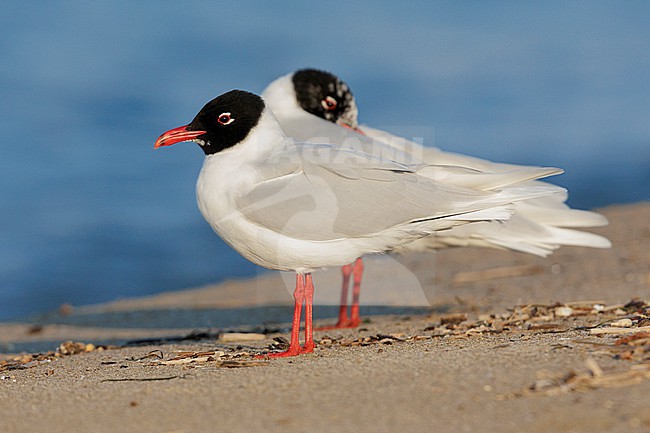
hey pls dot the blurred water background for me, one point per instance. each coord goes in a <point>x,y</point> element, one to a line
<point>89,213</point>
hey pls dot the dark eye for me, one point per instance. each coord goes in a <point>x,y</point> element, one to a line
<point>225,119</point>
<point>329,103</point>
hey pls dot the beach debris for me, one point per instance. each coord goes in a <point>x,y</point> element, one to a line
<point>66,348</point>
<point>229,337</point>
<point>35,329</point>
<point>623,323</point>
<point>214,358</point>
<point>563,311</point>
<point>630,321</point>
<point>453,319</point>
<point>142,379</point>
<point>192,336</point>
<point>65,309</point>
<point>636,318</point>
<point>385,339</point>
<point>190,357</point>
<point>591,378</point>
<point>550,319</point>
<point>72,348</point>
<point>152,354</point>
<point>640,338</point>
<point>554,318</point>
<point>635,347</point>
<point>280,343</point>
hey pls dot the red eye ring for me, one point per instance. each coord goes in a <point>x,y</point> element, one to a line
<point>329,103</point>
<point>225,119</point>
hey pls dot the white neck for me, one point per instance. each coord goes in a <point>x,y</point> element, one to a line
<point>280,96</point>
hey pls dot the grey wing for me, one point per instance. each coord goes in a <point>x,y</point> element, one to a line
<point>327,200</point>
<point>313,129</point>
<point>433,155</point>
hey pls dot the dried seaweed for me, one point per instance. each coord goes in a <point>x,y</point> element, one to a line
<point>214,358</point>
<point>67,348</point>
<point>614,319</point>
<point>591,378</point>
<point>328,341</point>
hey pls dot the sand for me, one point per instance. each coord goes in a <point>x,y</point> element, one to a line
<point>466,340</point>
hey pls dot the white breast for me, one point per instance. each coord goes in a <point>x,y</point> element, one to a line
<point>232,173</point>
<point>217,189</point>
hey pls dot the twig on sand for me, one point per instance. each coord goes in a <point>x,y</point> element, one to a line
<point>143,379</point>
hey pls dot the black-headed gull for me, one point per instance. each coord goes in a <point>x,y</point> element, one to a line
<point>311,104</point>
<point>295,206</point>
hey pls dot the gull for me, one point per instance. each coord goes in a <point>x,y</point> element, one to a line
<point>300,206</point>
<point>311,104</point>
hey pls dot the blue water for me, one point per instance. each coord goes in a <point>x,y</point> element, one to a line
<point>89,213</point>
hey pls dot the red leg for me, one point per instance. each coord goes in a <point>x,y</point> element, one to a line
<point>304,292</point>
<point>343,306</point>
<point>309,304</point>
<point>294,345</point>
<point>355,319</point>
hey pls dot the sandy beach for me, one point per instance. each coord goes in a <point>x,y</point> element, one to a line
<point>465,339</point>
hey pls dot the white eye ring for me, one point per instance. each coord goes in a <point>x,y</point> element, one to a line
<point>225,119</point>
<point>328,103</point>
